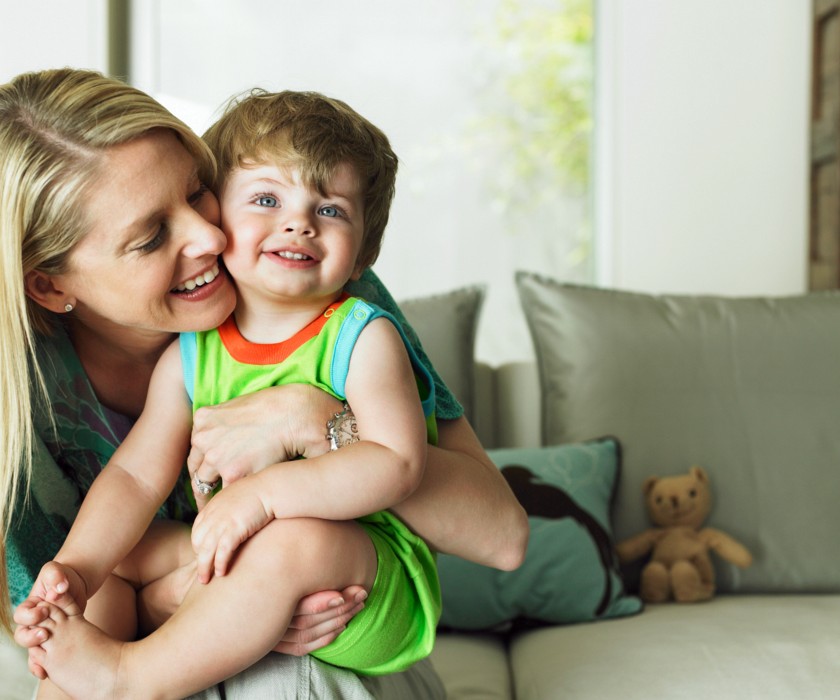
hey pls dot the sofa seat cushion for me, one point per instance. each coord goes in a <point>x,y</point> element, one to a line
<point>473,666</point>
<point>769,647</point>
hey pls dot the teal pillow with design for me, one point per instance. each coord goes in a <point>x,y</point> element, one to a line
<point>570,573</point>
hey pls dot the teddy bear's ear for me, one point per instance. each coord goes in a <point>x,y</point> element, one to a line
<point>699,473</point>
<point>648,484</point>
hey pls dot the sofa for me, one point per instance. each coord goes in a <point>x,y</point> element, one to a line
<point>625,386</point>
<point>747,388</point>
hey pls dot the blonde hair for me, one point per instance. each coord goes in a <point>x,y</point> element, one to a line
<point>314,134</point>
<point>55,127</point>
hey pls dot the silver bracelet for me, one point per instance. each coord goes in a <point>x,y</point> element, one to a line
<point>342,429</point>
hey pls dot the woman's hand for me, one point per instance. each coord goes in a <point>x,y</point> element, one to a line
<point>251,432</point>
<point>319,619</point>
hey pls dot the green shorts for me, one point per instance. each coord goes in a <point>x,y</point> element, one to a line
<point>397,626</point>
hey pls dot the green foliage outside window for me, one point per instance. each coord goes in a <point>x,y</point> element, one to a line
<point>541,96</point>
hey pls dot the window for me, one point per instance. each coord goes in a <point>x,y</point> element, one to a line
<point>487,104</point>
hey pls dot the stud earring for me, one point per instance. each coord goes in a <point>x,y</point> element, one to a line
<point>68,308</point>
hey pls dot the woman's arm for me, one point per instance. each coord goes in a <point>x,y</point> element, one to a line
<point>463,505</point>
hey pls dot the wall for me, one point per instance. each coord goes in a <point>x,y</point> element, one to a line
<point>701,148</point>
<point>428,74</point>
<point>702,145</point>
<point>51,34</point>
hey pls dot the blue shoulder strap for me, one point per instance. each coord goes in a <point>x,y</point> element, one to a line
<point>360,315</point>
<point>187,343</point>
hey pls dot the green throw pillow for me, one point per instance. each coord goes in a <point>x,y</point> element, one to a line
<point>570,573</point>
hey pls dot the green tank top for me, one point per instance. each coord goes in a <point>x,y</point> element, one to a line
<point>220,364</point>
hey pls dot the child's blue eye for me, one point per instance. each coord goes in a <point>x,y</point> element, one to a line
<point>329,211</point>
<point>267,200</point>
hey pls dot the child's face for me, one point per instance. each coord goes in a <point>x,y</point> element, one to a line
<point>287,241</point>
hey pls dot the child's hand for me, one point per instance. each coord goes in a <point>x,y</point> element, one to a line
<point>231,517</point>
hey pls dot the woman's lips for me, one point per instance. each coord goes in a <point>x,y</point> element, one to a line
<point>200,292</point>
<point>198,280</point>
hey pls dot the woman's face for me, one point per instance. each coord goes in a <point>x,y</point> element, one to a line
<point>150,260</point>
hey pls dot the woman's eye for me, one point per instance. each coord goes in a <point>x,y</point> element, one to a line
<point>266,200</point>
<point>196,196</point>
<point>153,243</point>
<point>330,211</point>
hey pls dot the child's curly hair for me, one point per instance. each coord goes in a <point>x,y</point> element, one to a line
<point>313,134</point>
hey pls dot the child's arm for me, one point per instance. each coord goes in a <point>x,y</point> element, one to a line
<point>368,476</point>
<point>126,495</point>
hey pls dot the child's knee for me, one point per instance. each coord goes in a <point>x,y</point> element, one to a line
<point>305,544</point>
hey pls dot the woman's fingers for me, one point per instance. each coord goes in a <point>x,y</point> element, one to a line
<point>329,601</point>
<point>299,641</point>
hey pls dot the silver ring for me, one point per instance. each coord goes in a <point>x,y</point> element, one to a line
<point>205,487</point>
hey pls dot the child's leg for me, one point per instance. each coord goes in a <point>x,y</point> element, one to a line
<point>113,609</point>
<point>221,628</point>
<point>164,549</point>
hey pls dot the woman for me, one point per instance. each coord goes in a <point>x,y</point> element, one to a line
<point>95,319</point>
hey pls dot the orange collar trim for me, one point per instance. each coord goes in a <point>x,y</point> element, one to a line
<point>243,350</point>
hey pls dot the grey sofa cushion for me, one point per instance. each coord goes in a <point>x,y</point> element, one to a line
<point>781,647</point>
<point>747,388</point>
<point>446,324</point>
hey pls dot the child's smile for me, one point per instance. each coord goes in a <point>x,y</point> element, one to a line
<point>289,243</point>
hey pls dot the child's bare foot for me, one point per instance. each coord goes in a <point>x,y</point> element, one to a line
<point>78,657</point>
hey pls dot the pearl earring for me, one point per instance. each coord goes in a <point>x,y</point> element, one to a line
<point>68,308</point>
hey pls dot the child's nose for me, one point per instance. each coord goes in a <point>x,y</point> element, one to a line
<point>299,222</point>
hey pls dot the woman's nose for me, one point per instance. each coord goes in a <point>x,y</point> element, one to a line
<point>204,239</point>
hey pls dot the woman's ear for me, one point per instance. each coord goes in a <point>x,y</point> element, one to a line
<point>41,288</point>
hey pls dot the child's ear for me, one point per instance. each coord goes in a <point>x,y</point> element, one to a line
<point>357,273</point>
<point>41,288</point>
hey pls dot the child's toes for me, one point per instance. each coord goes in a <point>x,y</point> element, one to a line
<point>37,656</point>
<point>30,636</point>
<point>66,603</point>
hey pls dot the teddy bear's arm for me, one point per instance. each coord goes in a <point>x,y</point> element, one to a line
<point>637,546</point>
<point>726,547</point>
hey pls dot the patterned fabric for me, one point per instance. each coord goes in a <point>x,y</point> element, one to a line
<point>75,437</point>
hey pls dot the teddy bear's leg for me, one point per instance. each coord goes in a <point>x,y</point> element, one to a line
<point>705,569</point>
<point>687,584</point>
<point>656,583</point>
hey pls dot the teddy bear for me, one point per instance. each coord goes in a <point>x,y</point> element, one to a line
<point>680,567</point>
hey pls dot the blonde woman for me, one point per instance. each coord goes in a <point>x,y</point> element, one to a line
<point>83,326</point>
